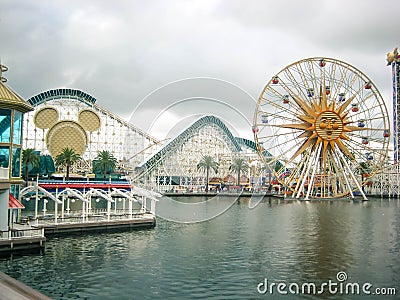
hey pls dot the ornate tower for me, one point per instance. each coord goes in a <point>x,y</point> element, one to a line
<point>393,59</point>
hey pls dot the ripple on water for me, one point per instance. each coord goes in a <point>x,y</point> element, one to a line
<point>224,258</point>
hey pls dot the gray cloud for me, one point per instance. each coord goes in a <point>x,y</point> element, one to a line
<point>121,51</point>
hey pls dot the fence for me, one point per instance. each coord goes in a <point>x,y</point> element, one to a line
<point>21,233</point>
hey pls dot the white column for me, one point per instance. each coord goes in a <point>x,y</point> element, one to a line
<point>153,206</point>
<point>130,208</point>
<point>108,210</point>
<point>62,207</point>
<point>89,196</point>
<point>144,204</point>
<point>68,209</point>
<point>83,211</point>
<point>56,207</point>
<point>44,206</point>
<point>36,205</point>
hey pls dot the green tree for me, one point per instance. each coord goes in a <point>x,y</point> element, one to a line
<point>205,164</point>
<point>29,157</point>
<point>239,165</point>
<point>67,158</point>
<point>103,162</point>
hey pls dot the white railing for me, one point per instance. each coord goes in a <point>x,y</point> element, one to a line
<point>21,233</point>
<point>95,215</point>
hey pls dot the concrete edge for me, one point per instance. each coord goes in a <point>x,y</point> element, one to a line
<point>21,288</point>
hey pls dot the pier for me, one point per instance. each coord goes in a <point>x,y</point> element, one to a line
<point>96,223</point>
<point>22,240</point>
<point>122,207</point>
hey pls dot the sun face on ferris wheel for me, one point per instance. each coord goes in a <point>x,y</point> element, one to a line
<point>323,123</point>
<point>318,123</point>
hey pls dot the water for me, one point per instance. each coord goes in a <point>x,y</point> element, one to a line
<point>226,257</point>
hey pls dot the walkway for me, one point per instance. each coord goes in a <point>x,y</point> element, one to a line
<point>11,289</point>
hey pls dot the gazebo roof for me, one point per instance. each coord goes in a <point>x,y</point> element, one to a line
<point>10,99</point>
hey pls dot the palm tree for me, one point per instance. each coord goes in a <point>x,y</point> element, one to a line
<point>67,158</point>
<point>104,161</point>
<point>29,157</point>
<point>238,165</point>
<point>205,164</point>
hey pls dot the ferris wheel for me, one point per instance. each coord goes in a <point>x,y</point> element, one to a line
<point>322,128</point>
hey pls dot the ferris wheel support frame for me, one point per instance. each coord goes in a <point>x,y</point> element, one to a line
<point>336,160</point>
<point>351,174</point>
<point>310,184</point>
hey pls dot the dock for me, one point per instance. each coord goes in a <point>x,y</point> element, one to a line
<point>100,224</point>
<point>22,240</point>
<point>31,237</point>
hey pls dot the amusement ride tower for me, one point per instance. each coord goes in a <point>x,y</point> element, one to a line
<point>393,59</point>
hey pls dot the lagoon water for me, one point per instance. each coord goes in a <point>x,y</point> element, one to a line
<point>227,257</point>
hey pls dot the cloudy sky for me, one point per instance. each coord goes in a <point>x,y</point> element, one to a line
<point>137,57</point>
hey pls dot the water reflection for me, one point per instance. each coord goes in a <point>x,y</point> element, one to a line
<point>226,257</point>
<point>322,235</point>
